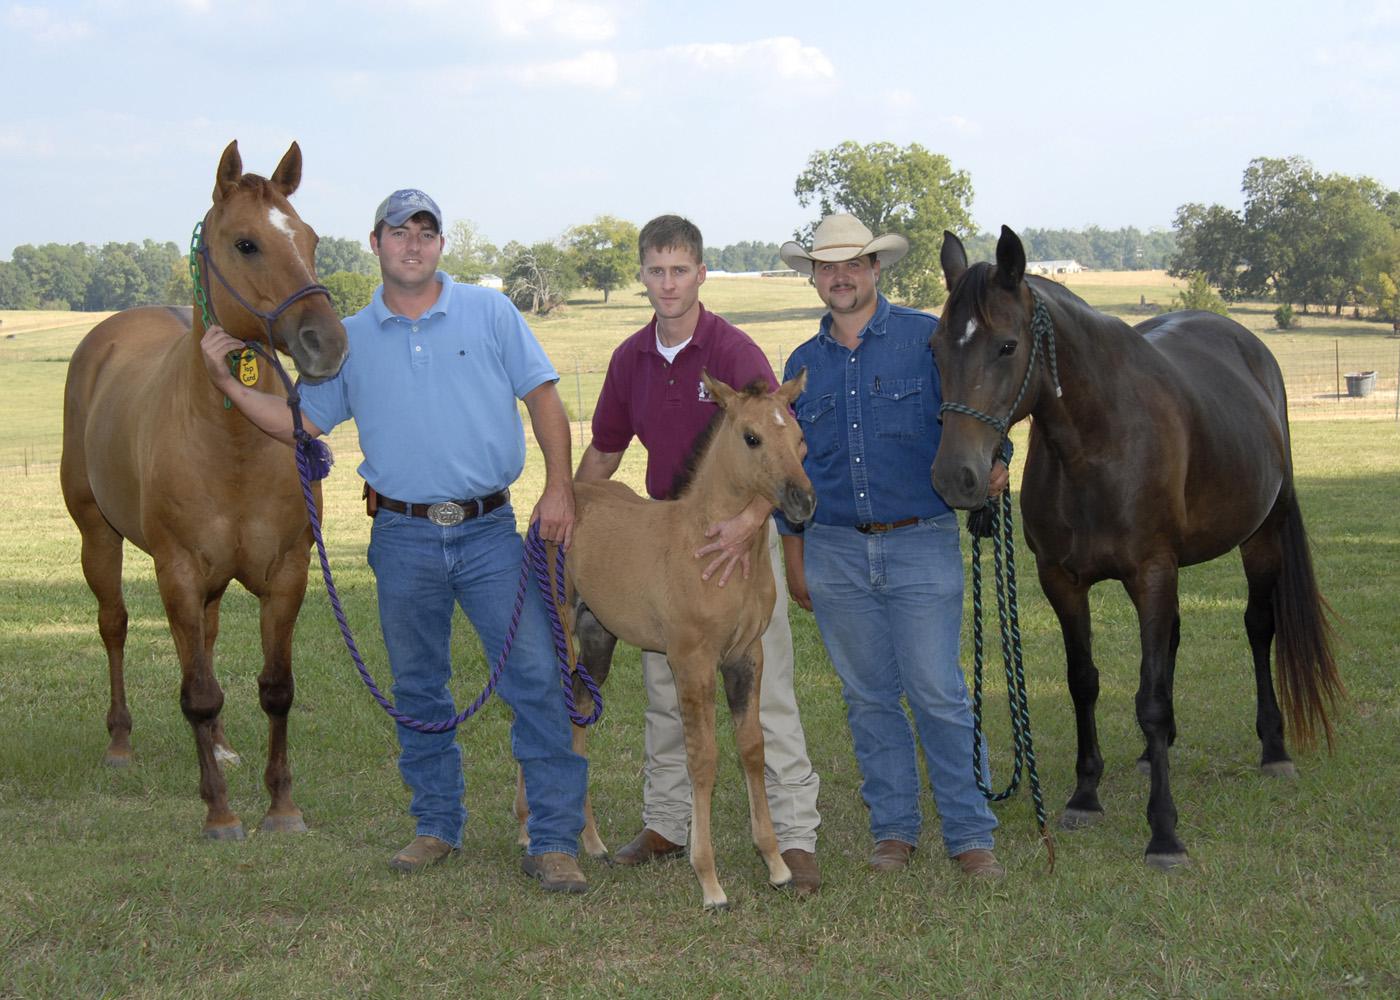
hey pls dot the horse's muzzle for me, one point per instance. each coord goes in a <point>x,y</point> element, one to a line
<point>798,502</point>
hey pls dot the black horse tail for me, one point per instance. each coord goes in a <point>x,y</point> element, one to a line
<point>1309,685</point>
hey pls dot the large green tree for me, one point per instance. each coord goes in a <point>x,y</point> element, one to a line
<point>893,189</point>
<point>538,277</point>
<point>57,273</point>
<point>1210,240</point>
<point>603,253</point>
<point>350,291</point>
<point>15,290</point>
<point>468,255</point>
<point>335,254</point>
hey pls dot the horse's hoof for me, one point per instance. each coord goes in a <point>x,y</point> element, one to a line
<point>603,859</point>
<point>289,823</point>
<point>1278,769</point>
<point>1168,862</point>
<point>722,906</point>
<point>1144,767</point>
<point>1080,819</point>
<point>233,831</point>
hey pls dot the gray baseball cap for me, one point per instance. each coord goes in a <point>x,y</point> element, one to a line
<point>403,205</point>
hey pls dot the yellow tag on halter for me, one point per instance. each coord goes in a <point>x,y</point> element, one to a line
<point>248,368</point>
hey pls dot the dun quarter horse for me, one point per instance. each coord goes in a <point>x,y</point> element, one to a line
<point>1168,447</point>
<point>152,455</point>
<point>631,575</point>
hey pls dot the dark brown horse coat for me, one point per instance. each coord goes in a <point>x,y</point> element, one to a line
<point>1167,447</point>
<point>151,454</point>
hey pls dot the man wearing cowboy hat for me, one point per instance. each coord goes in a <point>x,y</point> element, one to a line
<point>879,564</point>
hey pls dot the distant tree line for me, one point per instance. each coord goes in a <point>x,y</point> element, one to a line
<point>1303,237</point>
<point>1125,249</point>
<point>743,256</point>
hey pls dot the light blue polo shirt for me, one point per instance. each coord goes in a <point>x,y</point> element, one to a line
<point>434,398</point>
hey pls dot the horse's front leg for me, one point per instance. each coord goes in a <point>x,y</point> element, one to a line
<point>281,602</point>
<point>694,671</point>
<point>1070,601</point>
<point>1153,590</point>
<point>188,601</point>
<point>743,678</point>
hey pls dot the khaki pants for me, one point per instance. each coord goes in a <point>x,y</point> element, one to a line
<point>792,784</point>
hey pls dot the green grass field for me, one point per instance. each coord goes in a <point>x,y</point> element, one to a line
<point>106,888</point>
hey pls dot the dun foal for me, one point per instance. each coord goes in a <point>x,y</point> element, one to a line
<point>631,575</point>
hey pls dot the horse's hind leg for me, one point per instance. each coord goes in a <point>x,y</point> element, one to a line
<point>1262,562</point>
<point>1070,601</point>
<point>102,568</point>
<point>276,689</point>
<point>742,680</point>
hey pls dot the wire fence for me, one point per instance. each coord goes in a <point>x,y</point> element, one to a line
<point>1346,378</point>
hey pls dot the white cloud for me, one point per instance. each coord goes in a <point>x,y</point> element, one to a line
<point>588,23</point>
<point>42,25</point>
<point>595,70</point>
<point>783,57</point>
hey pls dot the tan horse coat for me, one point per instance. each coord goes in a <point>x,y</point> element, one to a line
<point>152,455</point>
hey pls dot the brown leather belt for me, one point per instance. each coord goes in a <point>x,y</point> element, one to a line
<point>448,512</point>
<point>880,527</point>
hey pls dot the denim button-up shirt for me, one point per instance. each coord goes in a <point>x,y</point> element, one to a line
<point>870,417</point>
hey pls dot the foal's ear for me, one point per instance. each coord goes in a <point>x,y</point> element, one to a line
<point>792,388</point>
<point>230,170</point>
<point>953,258</point>
<point>287,176</point>
<point>719,391</point>
<point>1011,260</point>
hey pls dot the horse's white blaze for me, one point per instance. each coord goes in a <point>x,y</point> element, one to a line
<point>283,225</point>
<point>967,334</point>
<point>779,419</point>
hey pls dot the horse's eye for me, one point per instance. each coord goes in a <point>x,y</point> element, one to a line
<point>246,247</point>
<point>1007,347</point>
<point>751,439</point>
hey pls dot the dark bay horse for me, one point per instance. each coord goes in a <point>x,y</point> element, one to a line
<point>152,455</point>
<point>631,575</point>
<point>1168,446</point>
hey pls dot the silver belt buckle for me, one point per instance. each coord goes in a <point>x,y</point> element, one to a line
<point>446,514</point>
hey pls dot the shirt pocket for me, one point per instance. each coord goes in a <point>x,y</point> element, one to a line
<point>897,407</point>
<point>817,417</point>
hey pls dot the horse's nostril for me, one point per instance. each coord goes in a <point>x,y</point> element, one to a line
<point>311,339</point>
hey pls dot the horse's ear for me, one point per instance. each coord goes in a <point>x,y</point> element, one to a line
<point>1011,260</point>
<point>230,170</point>
<point>953,258</point>
<point>719,392</point>
<point>792,388</point>
<point>287,177</point>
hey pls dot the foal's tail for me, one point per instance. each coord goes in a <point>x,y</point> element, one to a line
<point>1309,685</point>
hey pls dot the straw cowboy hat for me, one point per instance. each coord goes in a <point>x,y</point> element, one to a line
<point>843,237</point>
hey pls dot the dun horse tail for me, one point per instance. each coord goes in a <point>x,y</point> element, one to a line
<point>1309,684</point>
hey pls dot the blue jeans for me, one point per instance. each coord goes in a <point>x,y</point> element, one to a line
<point>889,608</point>
<point>422,572</point>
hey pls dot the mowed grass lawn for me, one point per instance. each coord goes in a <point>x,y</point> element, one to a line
<point>106,888</point>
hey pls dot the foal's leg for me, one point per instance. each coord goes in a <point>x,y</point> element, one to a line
<point>1071,603</point>
<point>1263,559</point>
<point>743,678</point>
<point>102,568</point>
<point>281,601</point>
<point>693,667</point>
<point>185,595</point>
<point>1153,590</point>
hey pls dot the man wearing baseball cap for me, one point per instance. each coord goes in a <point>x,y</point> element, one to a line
<point>879,563</point>
<point>432,379</point>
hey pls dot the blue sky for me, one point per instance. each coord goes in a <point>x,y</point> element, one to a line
<point>529,116</point>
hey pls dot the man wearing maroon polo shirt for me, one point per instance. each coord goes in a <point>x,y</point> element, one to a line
<point>653,392</point>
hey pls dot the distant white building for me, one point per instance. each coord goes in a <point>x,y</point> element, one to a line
<point>1048,267</point>
<point>491,281</point>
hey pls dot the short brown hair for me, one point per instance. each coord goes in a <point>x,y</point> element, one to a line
<point>671,232</point>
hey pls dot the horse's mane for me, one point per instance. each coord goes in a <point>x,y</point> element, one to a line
<point>755,390</point>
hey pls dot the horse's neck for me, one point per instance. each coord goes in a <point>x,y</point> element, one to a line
<point>1098,359</point>
<point>187,379</point>
<point>712,495</point>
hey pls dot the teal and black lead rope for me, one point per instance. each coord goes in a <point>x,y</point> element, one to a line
<point>994,521</point>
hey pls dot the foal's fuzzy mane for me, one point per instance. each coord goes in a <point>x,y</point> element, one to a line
<point>756,389</point>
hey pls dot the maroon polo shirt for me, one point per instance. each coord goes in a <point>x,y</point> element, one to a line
<point>664,404</point>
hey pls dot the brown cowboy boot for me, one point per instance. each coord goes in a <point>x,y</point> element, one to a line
<point>647,846</point>
<point>806,876</point>
<point>891,856</point>
<point>980,863</point>
<point>555,871</point>
<point>421,853</point>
